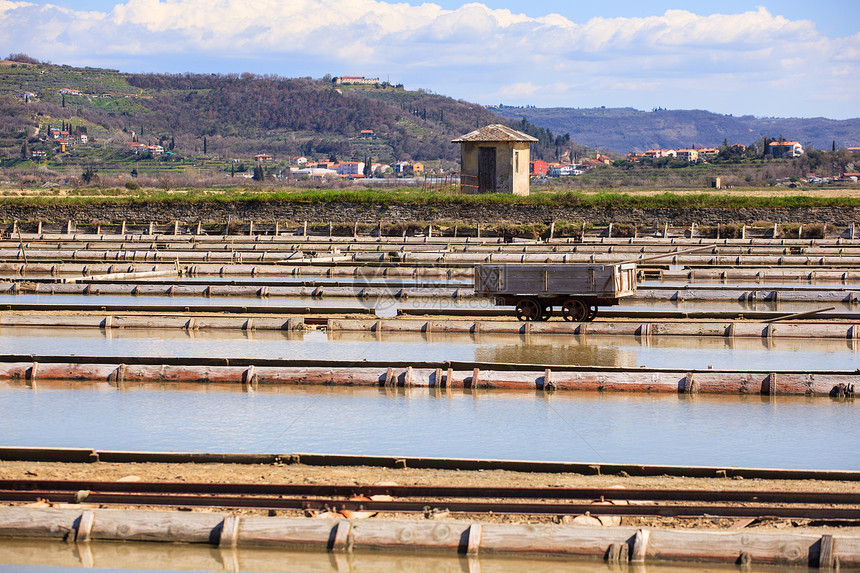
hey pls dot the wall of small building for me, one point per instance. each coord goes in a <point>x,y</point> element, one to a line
<point>512,166</point>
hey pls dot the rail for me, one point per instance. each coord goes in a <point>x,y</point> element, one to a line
<point>818,505</point>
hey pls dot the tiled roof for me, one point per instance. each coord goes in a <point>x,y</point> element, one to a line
<point>495,132</point>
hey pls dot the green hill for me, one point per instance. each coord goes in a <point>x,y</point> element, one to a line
<point>626,129</point>
<point>228,116</point>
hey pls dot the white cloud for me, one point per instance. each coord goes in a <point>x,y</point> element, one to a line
<point>6,5</point>
<point>476,50</point>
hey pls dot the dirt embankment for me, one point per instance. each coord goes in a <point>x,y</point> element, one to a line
<point>262,211</point>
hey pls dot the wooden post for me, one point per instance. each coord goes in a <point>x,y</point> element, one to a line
<point>609,232</point>
<point>744,231</point>
<point>122,230</point>
<point>479,230</point>
<point>775,234</point>
<point>692,230</point>
<point>69,227</point>
<point>151,228</point>
<point>551,230</point>
<point>329,228</point>
<point>199,230</point>
<point>305,229</point>
<point>39,229</point>
<point>251,228</point>
<point>640,546</point>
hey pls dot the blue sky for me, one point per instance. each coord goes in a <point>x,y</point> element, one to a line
<point>788,58</point>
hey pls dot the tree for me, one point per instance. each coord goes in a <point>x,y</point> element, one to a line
<point>172,143</point>
<point>204,146</point>
<point>25,151</point>
<point>259,174</point>
<point>134,172</point>
<point>89,175</point>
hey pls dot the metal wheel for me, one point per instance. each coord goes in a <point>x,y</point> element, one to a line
<point>574,310</point>
<point>592,312</point>
<point>529,309</point>
<point>547,312</point>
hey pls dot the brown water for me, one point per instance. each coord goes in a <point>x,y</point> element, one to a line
<point>54,557</point>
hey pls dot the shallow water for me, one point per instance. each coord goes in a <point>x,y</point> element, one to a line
<point>702,430</point>
<point>683,352</point>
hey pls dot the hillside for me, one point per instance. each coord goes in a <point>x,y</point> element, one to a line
<point>625,129</point>
<point>229,116</point>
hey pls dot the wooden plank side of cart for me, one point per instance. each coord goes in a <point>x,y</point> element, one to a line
<point>545,280</point>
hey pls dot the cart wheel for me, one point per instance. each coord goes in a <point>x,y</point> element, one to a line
<point>592,312</point>
<point>574,310</point>
<point>529,309</point>
<point>547,312</point>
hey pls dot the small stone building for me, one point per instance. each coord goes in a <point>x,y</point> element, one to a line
<point>495,159</point>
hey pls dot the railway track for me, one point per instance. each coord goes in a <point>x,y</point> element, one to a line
<point>398,271</point>
<point>438,291</point>
<point>475,314</point>
<point>828,506</point>
<point>423,251</point>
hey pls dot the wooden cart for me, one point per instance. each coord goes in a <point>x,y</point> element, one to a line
<point>534,289</point>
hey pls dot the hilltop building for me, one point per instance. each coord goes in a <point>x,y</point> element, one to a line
<point>495,159</point>
<point>356,81</point>
<point>785,148</point>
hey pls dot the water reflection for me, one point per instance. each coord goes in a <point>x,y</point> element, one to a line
<point>586,350</point>
<point>754,430</point>
<point>51,557</point>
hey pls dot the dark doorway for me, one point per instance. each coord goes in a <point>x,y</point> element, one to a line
<point>486,169</point>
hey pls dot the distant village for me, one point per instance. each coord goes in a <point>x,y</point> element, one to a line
<point>301,167</point>
<point>777,149</point>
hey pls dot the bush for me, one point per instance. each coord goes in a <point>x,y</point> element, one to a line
<point>730,231</point>
<point>623,230</point>
<point>398,229</point>
<point>813,231</point>
<point>132,186</point>
<point>566,230</point>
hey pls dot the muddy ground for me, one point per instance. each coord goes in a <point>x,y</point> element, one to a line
<point>303,474</point>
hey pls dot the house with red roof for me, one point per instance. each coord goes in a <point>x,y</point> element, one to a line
<point>785,148</point>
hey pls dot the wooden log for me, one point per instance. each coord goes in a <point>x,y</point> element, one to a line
<point>369,535</point>
<point>711,382</point>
